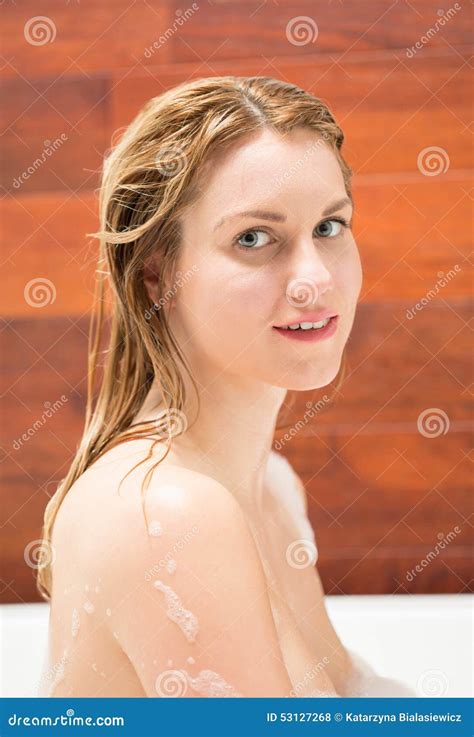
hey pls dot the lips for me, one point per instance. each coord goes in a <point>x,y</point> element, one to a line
<point>310,335</point>
<point>307,317</point>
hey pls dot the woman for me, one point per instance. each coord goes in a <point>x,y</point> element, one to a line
<point>174,566</point>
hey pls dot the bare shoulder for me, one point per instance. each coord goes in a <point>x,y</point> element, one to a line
<point>186,590</point>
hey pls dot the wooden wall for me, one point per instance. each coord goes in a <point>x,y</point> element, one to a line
<point>385,485</point>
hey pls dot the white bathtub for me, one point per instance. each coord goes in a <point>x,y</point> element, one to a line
<point>425,640</point>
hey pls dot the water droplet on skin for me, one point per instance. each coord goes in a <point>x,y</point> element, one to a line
<point>171,565</point>
<point>155,529</point>
<point>102,674</point>
<point>94,666</point>
<point>115,635</point>
<point>89,607</point>
<point>175,610</point>
<point>108,612</point>
<point>191,660</point>
<point>211,684</point>
<point>75,622</point>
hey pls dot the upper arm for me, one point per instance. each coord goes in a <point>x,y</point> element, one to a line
<point>200,625</point>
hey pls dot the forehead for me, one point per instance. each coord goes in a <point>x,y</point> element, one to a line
<point>266,168</point>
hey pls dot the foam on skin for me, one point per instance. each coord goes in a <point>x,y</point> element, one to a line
<point>75,622</point>
<point>175,610</point>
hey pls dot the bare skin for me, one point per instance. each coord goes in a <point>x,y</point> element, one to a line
<point>98,659</point>
<point>263,628</point>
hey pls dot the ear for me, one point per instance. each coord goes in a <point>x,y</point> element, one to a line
<point>151,279</point>
<point>151,273</point>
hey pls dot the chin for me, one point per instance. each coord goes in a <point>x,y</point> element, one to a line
<point>308,378</point>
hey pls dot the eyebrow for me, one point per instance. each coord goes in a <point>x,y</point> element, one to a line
<point>278,217</point>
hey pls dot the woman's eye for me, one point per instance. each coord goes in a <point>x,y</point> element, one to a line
<point>248,240</point>
<point>326,226</point>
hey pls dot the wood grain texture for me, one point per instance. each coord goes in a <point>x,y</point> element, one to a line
<point>384,489</point>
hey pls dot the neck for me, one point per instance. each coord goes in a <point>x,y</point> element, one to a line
<point>231,437</point>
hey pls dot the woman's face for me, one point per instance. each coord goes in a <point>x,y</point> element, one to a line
<point>250,272</point>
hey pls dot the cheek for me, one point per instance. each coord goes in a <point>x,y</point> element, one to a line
<point>242,301</point>
<point>348,276</point>
<point>229,303</point>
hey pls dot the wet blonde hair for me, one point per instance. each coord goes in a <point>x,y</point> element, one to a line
<point>149,178</point>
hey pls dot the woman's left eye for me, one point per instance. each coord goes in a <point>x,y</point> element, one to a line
<point>341,222</point>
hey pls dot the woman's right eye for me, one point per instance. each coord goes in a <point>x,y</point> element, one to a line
<point>247,241</point>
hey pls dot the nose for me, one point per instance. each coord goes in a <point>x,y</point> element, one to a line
<point>308,266</point>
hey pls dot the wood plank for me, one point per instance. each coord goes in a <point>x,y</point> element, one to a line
<point>47,242</point>
<point>55,133</point>
<point>81,39</point>
<point>141,34</point>
<point>388,575</point>
<point>227,30</point>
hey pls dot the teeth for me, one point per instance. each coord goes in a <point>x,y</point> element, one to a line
<point>308,325</point>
